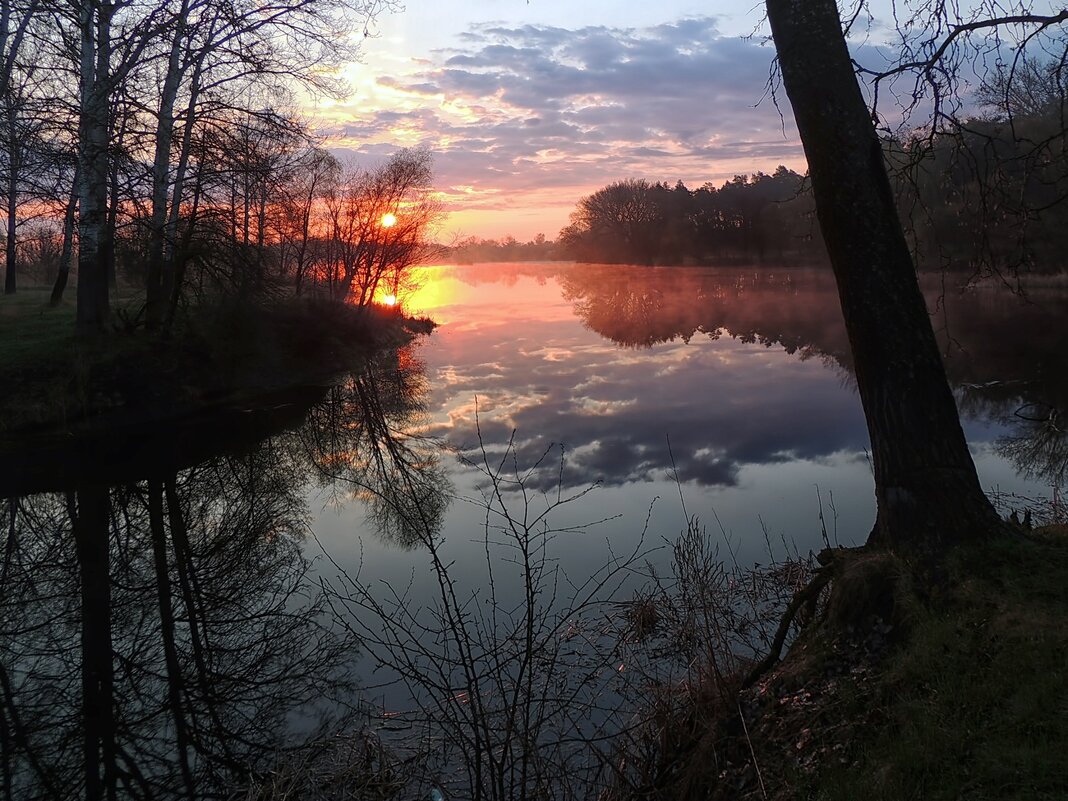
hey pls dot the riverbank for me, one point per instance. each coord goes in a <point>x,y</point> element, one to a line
<point>226,354</point>
<point>960,692</point>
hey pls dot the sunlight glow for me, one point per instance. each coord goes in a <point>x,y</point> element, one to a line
<point>389,219</point>
<point>390,300</point>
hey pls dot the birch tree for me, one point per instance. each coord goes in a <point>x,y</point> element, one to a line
<point>15,22</point>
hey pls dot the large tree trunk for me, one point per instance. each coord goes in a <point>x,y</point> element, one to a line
<point>926,487</point>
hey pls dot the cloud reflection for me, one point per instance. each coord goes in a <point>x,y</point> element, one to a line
<point>737,367</point>
<point>723,402</point>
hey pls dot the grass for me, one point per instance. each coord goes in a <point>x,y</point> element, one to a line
<point>900,689</point>
<point>974,704</point>
<point>45,370</point>
<point>31,330</point>
<point>221,352</point>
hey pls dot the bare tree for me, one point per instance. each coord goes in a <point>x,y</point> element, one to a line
<point>381,221</point>
<point>303,219</point>
<point>19,126</point>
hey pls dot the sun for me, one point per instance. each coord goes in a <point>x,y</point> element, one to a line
<point>389,219</point>
<point>390,300</point>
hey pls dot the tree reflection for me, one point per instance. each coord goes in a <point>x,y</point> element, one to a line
<point>163,638</point>
<point>797,309</point>
<point>365,437</point>
<point>1003,351</point>
<point>1006,359</point>
<point>166,656</point>
<point>1039,446</point>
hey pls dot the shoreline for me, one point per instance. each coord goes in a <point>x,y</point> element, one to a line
<point>106,400</point>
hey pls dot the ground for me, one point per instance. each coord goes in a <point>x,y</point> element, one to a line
<point>959,694</point>
<point>220,353</point>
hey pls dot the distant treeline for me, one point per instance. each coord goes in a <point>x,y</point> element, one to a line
<point>749,218</point>
<point>983,193</point>
<point>473,250</point>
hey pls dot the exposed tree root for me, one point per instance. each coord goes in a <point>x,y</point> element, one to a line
<point>805,597</point>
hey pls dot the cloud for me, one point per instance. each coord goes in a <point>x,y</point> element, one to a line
<point>516,110</point>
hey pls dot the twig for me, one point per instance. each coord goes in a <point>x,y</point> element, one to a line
<point>752,752</point>
<point>805,594</point>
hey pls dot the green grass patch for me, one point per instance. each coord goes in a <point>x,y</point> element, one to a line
<point>31,331</point>
<point>974,705</point>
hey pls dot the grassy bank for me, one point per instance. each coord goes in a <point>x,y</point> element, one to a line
<point>956,692</point>
<point>974,703</point>
<point>223,353</point>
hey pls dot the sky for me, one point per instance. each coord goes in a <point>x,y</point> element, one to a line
<point>528,106</point>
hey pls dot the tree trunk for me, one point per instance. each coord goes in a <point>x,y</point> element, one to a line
<point>926,487</point>
<point>12,204</point>
<point>92,314</point>
<point>179,255</point>
<point>173,272</point>
<point>155,294</point>
<point>111,217</point>
<point>68,244</point>
<point>10,45</point>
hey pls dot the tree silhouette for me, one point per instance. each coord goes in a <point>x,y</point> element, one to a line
<point>927,491</point>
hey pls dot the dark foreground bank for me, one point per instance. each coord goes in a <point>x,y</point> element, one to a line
<point>238,368</point>
<point>897,690</point>
<point>224,353</point>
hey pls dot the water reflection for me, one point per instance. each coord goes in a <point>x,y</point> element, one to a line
<point>724,407</point>
<point>770,391</point>
<point>635,307</point>
<point>366,437</point>
<point>1007,361</point>
<point>162,636</point>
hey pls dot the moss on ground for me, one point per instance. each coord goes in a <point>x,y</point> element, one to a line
<point>974,703</point>
<point>901,689</point>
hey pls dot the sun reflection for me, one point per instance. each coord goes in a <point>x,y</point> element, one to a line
<point>431,288</point>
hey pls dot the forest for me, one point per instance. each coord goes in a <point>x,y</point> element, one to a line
<point>983,194</point>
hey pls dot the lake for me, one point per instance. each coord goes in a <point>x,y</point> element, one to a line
<point>731,388</point>
<point>561,427</point>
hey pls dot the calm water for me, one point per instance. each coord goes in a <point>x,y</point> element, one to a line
<point>731,385</point>
<point>206,582</point>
